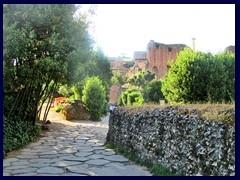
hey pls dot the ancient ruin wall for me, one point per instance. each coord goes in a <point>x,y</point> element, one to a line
<point>181,142</point>
<point>159,54</point>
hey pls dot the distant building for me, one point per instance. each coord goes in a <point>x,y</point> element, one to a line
<point>155,59</point>
<point>159,54</point>
<point>230,49</point>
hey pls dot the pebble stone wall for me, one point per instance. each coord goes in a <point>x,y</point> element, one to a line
<point>181,142</point>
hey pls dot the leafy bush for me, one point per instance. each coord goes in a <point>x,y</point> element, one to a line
<point>131,96</point>
<point>200,77</point>
<point>17,134</point>
<point>141,78</point>
<point>94,97</point>
<point>65,91</point>
<point>76,90</point>
<point>117,78</point>
<point>152,92</point>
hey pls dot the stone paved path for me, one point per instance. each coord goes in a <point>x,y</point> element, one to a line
<point>73,150</point>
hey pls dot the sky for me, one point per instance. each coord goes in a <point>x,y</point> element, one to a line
<point>125,28</point>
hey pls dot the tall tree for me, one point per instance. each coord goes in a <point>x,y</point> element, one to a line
<point>42,45</point>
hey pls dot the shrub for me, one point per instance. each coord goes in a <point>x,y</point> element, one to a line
<point>131,96</point>
<point>200,77</point>
<point>94,97</point>
<point>117,78</point>
<point>152,92</point>
<point>17,134</point>
<point>141,78</point>
<point>65,91</point>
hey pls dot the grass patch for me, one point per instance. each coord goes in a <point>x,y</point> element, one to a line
<point>155,169</point>
<point>159,170</point>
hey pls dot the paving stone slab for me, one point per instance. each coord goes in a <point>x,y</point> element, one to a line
<point>90,143</point>
<point>45,174</point>
<point>97,162</point>
<point>68,151</point>
<point>15,167</point>
<point>82,146</point>
<point>48,153</point>
<point>35,144</point>
<point>50,170</point>
<point>66,163</point>
<point>6,163</point>
<point>73,174</point>
<point>30,153</point>
<point>108,153</point>
<point>40,164</point>
<point>93,140</point>
<point>61,138</point>
<point>25,156</point>
<point>81,170</point>
<point>116,158</point>
<point>98,144</point>
<point>44,160</point>
<point>96,156</point>
<point>20,163</point>
<point>27,174</point>
<point>87,135</point>
<point>83,138</point>
<point>79,141</point>
<point>77,159</point>
<point>65,143</point>
<point>83,154</point>
<point>49,156</point>
<point>99,147</point>
<point>40,150</point>
<point>66,156</point>
<point>115,164</point>
<point>69,139</point>
<point>26,150</point>
<point>99,151</point>
<point>121,171</point>
<point>85,150</point>
<point>23,171</point>
<point>6,174</point>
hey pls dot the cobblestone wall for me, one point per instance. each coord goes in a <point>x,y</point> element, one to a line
<point>181,142</point>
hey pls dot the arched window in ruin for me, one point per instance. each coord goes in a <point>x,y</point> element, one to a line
<point>155,70</point>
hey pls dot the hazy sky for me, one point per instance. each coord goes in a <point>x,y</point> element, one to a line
<point>128,28</point>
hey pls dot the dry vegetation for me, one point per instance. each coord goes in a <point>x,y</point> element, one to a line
<point>222,112</point>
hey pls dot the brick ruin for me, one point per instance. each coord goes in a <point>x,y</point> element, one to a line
<point>230,49</point>
<point>154,59</point>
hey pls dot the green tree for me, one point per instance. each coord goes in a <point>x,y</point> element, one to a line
<point>152,92</point>
<point>200,77</point>
<point>131,96</point>
<point>175,85</point>
<point>42,44</point>
<point>65,91</point>
<point>96,65</point>
<point>117,78</point>
<point>228,60</point>
<point>76,91</point>
<point>141,78</point>
<point>38,47</point>
<point>94,97</point>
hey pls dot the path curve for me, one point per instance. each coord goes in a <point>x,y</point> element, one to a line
<point>71,148</point>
